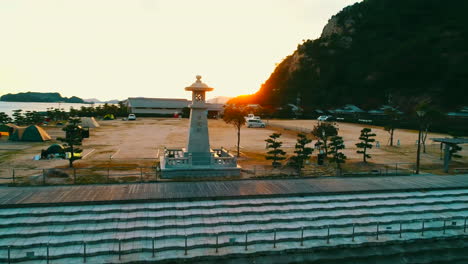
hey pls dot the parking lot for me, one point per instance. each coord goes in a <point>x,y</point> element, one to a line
<point>138,143</point>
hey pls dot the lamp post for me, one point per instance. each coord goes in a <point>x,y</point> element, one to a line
<point>324,138</point>
<point>420,115</point>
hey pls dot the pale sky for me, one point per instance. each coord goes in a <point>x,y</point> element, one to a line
<point>114,49</point>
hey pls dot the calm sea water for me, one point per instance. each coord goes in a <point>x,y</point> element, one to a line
<point>8,107</point>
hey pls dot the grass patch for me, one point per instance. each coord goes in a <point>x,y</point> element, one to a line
<point>94,179</point>
<point>129,179</point>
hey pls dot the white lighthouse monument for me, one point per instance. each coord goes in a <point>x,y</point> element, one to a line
<point>198,144</point>
<point>198,159</point>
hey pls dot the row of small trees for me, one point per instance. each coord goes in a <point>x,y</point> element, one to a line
<point>22,118</point>
<point>328,141</point>
<point>327,137</point>
<point>119,109</point>
<point>301,150</point>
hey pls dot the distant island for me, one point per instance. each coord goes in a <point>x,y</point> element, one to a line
<point>40,97</point>
<point>95,100</point>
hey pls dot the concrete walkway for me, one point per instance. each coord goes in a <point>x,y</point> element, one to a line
<point>86,194</point>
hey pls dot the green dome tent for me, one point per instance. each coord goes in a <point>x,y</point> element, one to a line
<point>31,133</point>
<point>17,134</point>
<point>56,148</point>
<point>89,122</point>
<point>109,117</point>
<point>10,128</point>
<point>4,128</point>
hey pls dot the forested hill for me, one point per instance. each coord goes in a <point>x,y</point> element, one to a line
<point>375,52</point>
<point>39,97</point>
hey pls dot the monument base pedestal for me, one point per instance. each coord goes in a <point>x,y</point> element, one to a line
<point>176,163</point>
<point>199,172</point>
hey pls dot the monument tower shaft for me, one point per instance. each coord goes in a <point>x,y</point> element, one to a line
<point>198,137</point>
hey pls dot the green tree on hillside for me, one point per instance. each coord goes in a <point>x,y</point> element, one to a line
<point>366,57</point>
<point>392,122</point>
<point>4,118</point>
<point>235,115</point>
<point>302,152</point>
<point>18,117</point>
<point>429,115</point>
<point>323,132</point>
<point>57,114</point>
<point>33,118</point>
<point>366,138</point>
<point>275,153</point>
<point>337,144</point>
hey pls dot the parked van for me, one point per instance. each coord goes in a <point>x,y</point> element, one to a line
<point>131,117</point>
<point>255,123</point>
<point>325,118</point>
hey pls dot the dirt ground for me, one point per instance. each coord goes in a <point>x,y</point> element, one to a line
<point>138,143</point>
<point>403,151</point>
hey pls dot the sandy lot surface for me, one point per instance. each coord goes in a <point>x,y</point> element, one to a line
<point>144,138</point>
<point>404,153</point>
<point>138,143</point>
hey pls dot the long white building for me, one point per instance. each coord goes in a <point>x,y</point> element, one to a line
<point>165,106</point>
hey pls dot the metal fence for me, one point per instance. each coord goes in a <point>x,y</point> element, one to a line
<point>133,174</point>
<point>389,169</point>
<point>51,176</point>
<point>331,235</point>
<point>328,169</point>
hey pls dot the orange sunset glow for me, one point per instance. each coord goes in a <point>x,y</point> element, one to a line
<point>114,49</point>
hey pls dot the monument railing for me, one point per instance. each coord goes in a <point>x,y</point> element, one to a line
<point>224,161</point>
<point>173,153</point>
<point>221,152</point>
<point>177,162</point>
<point>187,161</point>
<point>218,152</point>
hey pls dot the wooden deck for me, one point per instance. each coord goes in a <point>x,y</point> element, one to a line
<point>121,193</point>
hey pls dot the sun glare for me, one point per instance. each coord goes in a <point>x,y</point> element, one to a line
<point>118,49</point>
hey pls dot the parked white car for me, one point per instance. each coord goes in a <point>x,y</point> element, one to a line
<point>325,118</point>
<point>255,123</point>
<point>131,117</point>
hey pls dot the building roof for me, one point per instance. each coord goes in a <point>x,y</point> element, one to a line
<point>157,102</point>
<point>167,103</point>
<point>349,108</point>
<point>381,110</point>
<point>451,140</point>
<point>457,114</point>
